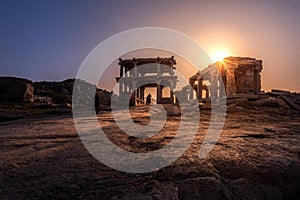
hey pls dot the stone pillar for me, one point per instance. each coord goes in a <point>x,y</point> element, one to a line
<point>125,71</point>
<point>121,71</point>
<point>206,93</point>
<point>142,91</point>
<point>138,93</point>
<point>158,93</point>
<point>135,70</point>
<point>120,88</point>
<point>171,97</point>
<point>172,86</point>
<point>171,66</point>
<point>133,91</point>
<point>123,92</point>
<point>199,89</point>
<point>121,84</point>
<point>191,93</point>
<point>185,96</point>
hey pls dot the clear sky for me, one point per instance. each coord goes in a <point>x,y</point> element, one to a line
<point>48,40</point>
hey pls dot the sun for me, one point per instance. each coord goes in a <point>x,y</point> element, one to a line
<point>219,55</point>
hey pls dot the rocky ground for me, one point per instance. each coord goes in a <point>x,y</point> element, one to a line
<point>256,157</point>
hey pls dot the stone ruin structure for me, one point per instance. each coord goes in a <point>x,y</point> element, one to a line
<point>233,77</point>
<point>144,73</point>
<point>240,77</point>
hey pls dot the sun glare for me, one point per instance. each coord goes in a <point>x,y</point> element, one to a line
<point>219,56</point>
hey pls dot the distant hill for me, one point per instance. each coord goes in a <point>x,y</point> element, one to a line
<point>61,92</point>
<point>22,90</point>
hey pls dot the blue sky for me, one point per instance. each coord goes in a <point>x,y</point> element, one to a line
<point>48,40</point>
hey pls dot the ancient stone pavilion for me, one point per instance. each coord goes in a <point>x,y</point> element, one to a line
<point>139,73</point>
<point>240,77</point>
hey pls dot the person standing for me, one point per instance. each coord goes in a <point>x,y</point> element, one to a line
<point>148,99</point>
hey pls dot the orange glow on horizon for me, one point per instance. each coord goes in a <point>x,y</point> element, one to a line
<point>219,55</point>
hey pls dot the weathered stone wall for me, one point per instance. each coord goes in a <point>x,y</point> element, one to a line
<point>242,75</point>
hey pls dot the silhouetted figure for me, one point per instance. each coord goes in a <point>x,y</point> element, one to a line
<point>148,99</point>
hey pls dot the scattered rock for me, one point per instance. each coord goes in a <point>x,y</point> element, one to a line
<point>279,92</point>
<point>270,102</point>
<point>290,101</point>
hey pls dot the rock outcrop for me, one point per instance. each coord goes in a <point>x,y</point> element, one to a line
<point>16,90</point>
<point>58,92</point>
<point>61,92</point>
<point>288,97</point>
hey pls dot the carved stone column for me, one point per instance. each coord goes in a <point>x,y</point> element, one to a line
<point>142,93</point>
<point>191,93</point>
<point>135,70</point>
<point>199,89</point>
<point>158,92</point>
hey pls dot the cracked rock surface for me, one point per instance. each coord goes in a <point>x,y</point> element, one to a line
<point>256,157</point>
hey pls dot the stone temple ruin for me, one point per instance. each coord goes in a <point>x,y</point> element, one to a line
<point>144,73</point>
<point>234,77</point>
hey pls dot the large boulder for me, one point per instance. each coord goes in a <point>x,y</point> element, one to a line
<point>16,90</point>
